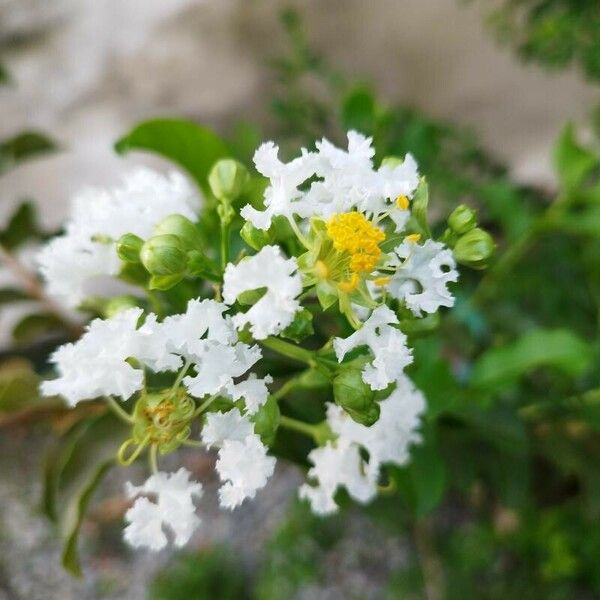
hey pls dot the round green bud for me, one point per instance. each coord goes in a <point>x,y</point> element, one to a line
<point>474,249</point>
<point>462,219</point>
<point>227,179</point>
<point>254,237</point>
<point>119,304</point>
<point>128,247</point>
<point>355,396</point>
<point>164,255</point>
<point>183,228</point>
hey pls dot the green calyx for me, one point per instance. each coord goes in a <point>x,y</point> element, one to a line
<point>355,396</point>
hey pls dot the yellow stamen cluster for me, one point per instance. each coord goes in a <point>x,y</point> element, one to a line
<point>353,233</point>
<point>413,238</point>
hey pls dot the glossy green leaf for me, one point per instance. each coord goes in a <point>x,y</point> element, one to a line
<point>191,146</point>
<point>558,348</point>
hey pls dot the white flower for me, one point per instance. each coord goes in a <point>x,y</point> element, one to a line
<point>70,263</point>
<point>282,197</point>
<point>231,425</point>
<point>244,467</point>
<point>422,276</point>
<point>266,269</point>
<point>387,344</point>
<point>173,509</point>
<point>337,464</point>
<point>346,181</point>
<point>340,463</point>
<point>217,365</point>
<point>253,390</point>
<point>96,364</point>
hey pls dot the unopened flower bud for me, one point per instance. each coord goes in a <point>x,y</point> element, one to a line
<point>462,219</point>
<point>227,179</point>
<point>183,228</point>
<point>128,247</point>
<point>164,255</point>
<point>355,396</point>
<point>474,249</point>
<point>255,238</point>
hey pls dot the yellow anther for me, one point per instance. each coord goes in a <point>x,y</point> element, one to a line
<point>321,269</point>
<point>353,233</point>
<point>413,238</point>
<point>381,281</point>
<point>402,202</point>
<point>350,285</point>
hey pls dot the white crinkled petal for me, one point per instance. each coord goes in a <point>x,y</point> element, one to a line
<point>423,272</point>
<point>244,467</point>
<point>96,364</point>
<point>254,391</point>
<point>174,509</point>
<point>277,307</point>
<point>231,425</point>
<point>72,262</point>
<point>386,343</point>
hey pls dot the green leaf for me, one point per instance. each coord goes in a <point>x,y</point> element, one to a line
<point>300,328</point>
<point>4,75</point>
<point>558,348</point>
<point>9,295</point>
<point>422,483</point>
<point>23,146</point>
<point>31,327</point>
<point>74,470</point>
<point>193,147</point>
<point>22,226</point>
<point>18,385</point>
<point>573,162</point>
<point>419,207</point>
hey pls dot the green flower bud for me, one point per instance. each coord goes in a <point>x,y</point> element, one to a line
<point>119,304</point>
<point>301,327</point>
<point>164,255</point>
<point>266,421</point>
<point>128,247</point>
<point>227,179</point>
<point>474,249</point>
<point>355,396</point>
<point>254,237</point>
<point>462,219</point>
<point>183,228</point>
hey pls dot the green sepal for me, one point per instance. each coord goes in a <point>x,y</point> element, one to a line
<point>164,282</point>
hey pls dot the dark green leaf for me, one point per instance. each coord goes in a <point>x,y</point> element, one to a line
<point>31,327</point>
<point>22,226</point>
<point>193,147</point>
<point>9,295</point>
<point>23,146</point>
<point>300,328</point>
<point>358,111</point>
<point>559,348</point>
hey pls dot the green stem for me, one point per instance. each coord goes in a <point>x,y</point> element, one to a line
<point>589,399</point>
<point>152,457</point>
<point>286,388</point>
<point>299,426</point>
<point>290,350</point>
<point>224,244</point>
<point>298,233</point>
<point>181,375</point>
<point>118,410</point>
<point>204,405</point>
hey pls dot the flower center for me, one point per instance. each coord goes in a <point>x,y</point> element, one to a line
<point>352,233</point>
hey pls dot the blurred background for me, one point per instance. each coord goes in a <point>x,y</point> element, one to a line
<point>83,73</point>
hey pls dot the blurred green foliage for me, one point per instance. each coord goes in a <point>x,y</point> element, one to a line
<point>553,33</point>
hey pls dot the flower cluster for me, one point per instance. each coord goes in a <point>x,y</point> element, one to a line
<point>180,361</point>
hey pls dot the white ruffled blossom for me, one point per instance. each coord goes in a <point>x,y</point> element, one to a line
<point>423,272</point>
<point>345,180</point>
<point>386,343</point>
<point>245,467</point>
<point>72,262</point>
<point>340,463</point>
<point>96,364</point>
<point>173,510</point>
<point>231,425</point>
<point>271,270</point>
